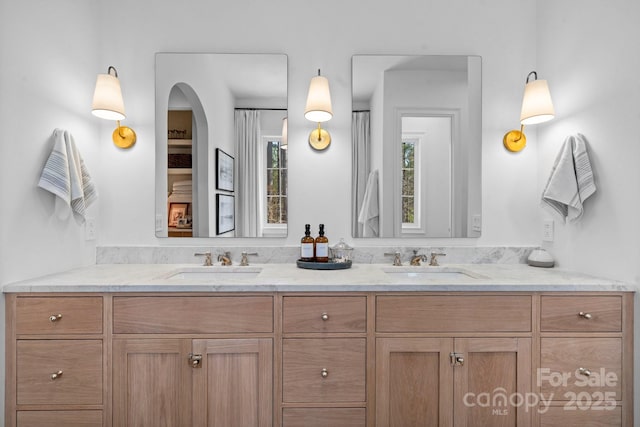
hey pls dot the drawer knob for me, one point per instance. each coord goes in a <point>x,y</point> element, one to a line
<point>324,316</point>
<point>324,373</point>
<point>56,375</point>
<point>584,371</point>
<point>585,315</point>
<point>55,317</point>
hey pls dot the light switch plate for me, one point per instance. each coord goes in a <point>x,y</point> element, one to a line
<point>476,222</point>
<point>159,222</point>
<point>90,228</point>
<point>547,230</point>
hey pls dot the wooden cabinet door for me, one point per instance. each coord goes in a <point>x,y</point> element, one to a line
<point>492,382</point>
<point>151,383</point>
<point>233,386</point>
<point>414,385</point>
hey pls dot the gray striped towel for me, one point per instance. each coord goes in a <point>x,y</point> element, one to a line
<point>571,181</point>
<point>66,176</point>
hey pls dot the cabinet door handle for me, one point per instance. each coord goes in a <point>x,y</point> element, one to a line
<point>56,375</point>
<point>324,316</point>
<point>324,373</point>
<point>195,360</point>
<point>456,359</point>
<point>585,315</point>
<point>55,317</point>
<point>584,371</point>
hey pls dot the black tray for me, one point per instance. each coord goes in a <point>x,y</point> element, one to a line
<point>311,265</point>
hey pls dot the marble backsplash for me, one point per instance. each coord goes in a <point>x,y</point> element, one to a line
<point>280,254</point>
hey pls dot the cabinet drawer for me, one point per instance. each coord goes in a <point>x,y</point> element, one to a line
<point>453,313</point>
<point>59,418</point>
<point>581,314</point>
<point>183,315</point>
<point>324,417</point>
<point>559,416</point>
<point>324,370</point>
<point>602,357</point>
<point>58,315</point>
<point>324,314</point>
<point>80,362</point>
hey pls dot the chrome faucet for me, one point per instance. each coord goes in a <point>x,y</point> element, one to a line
<point>433,261</point>
<point>397,261</point>
<point>415,259</point>
<point>244,261</point>
<point>225,258</point>
<point>207,258</point>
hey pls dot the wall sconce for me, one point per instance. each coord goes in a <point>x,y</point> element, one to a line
<point>108,104</point>
<point>319,110</point>
<point>536,108</point>
<point>284,141</point>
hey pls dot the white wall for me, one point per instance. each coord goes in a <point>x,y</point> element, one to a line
<point>47,82</point>
<point>403,27</point>
<point>584,53</point>
<point>48,67</point>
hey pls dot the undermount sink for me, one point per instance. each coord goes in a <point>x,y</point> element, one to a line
<point>203,273</point>
<point>429,273</point>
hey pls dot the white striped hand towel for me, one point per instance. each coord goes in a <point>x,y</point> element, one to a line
<point>66,176</point>
<point>370,210</point>
<point>571,181</point>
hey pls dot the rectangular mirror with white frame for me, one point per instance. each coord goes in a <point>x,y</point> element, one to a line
<point>416,145</point>
<point>221,137</point>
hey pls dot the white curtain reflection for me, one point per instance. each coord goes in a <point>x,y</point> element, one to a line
<point>248,197</point>
<point>360,167</point>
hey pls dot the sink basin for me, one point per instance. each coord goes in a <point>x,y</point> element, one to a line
<point>429,273</point>
<point>215,272</point>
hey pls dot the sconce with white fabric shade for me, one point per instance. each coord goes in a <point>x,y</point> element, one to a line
<point>537,107</point>
<point>318,109</point>
<point>108,104</point>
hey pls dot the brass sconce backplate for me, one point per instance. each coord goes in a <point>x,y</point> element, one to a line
<point>514,141</point>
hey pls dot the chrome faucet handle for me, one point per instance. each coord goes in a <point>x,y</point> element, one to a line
<point>207,258</point>
<point>225,258</point>
<point>244,261</point>
<point>433,261</point>
<point>397,261</point>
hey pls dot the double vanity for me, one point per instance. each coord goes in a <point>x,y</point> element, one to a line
<point>275,345</point>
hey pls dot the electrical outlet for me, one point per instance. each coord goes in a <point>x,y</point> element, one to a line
<point>90,228</point>
<point>476,223</point>
<point>547,230</point>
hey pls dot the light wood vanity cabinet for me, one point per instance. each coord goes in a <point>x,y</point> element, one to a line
<point>361,359</point>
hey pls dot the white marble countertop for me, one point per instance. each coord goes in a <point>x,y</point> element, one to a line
<point>289,278</point>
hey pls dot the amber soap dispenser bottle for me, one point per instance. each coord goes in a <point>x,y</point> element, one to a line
<point>322,246</point>
<point>306,244</point>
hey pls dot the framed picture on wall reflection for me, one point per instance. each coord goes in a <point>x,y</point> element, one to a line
<point>177,211</point>
<point>225,206</point>
<point>224,171</point>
